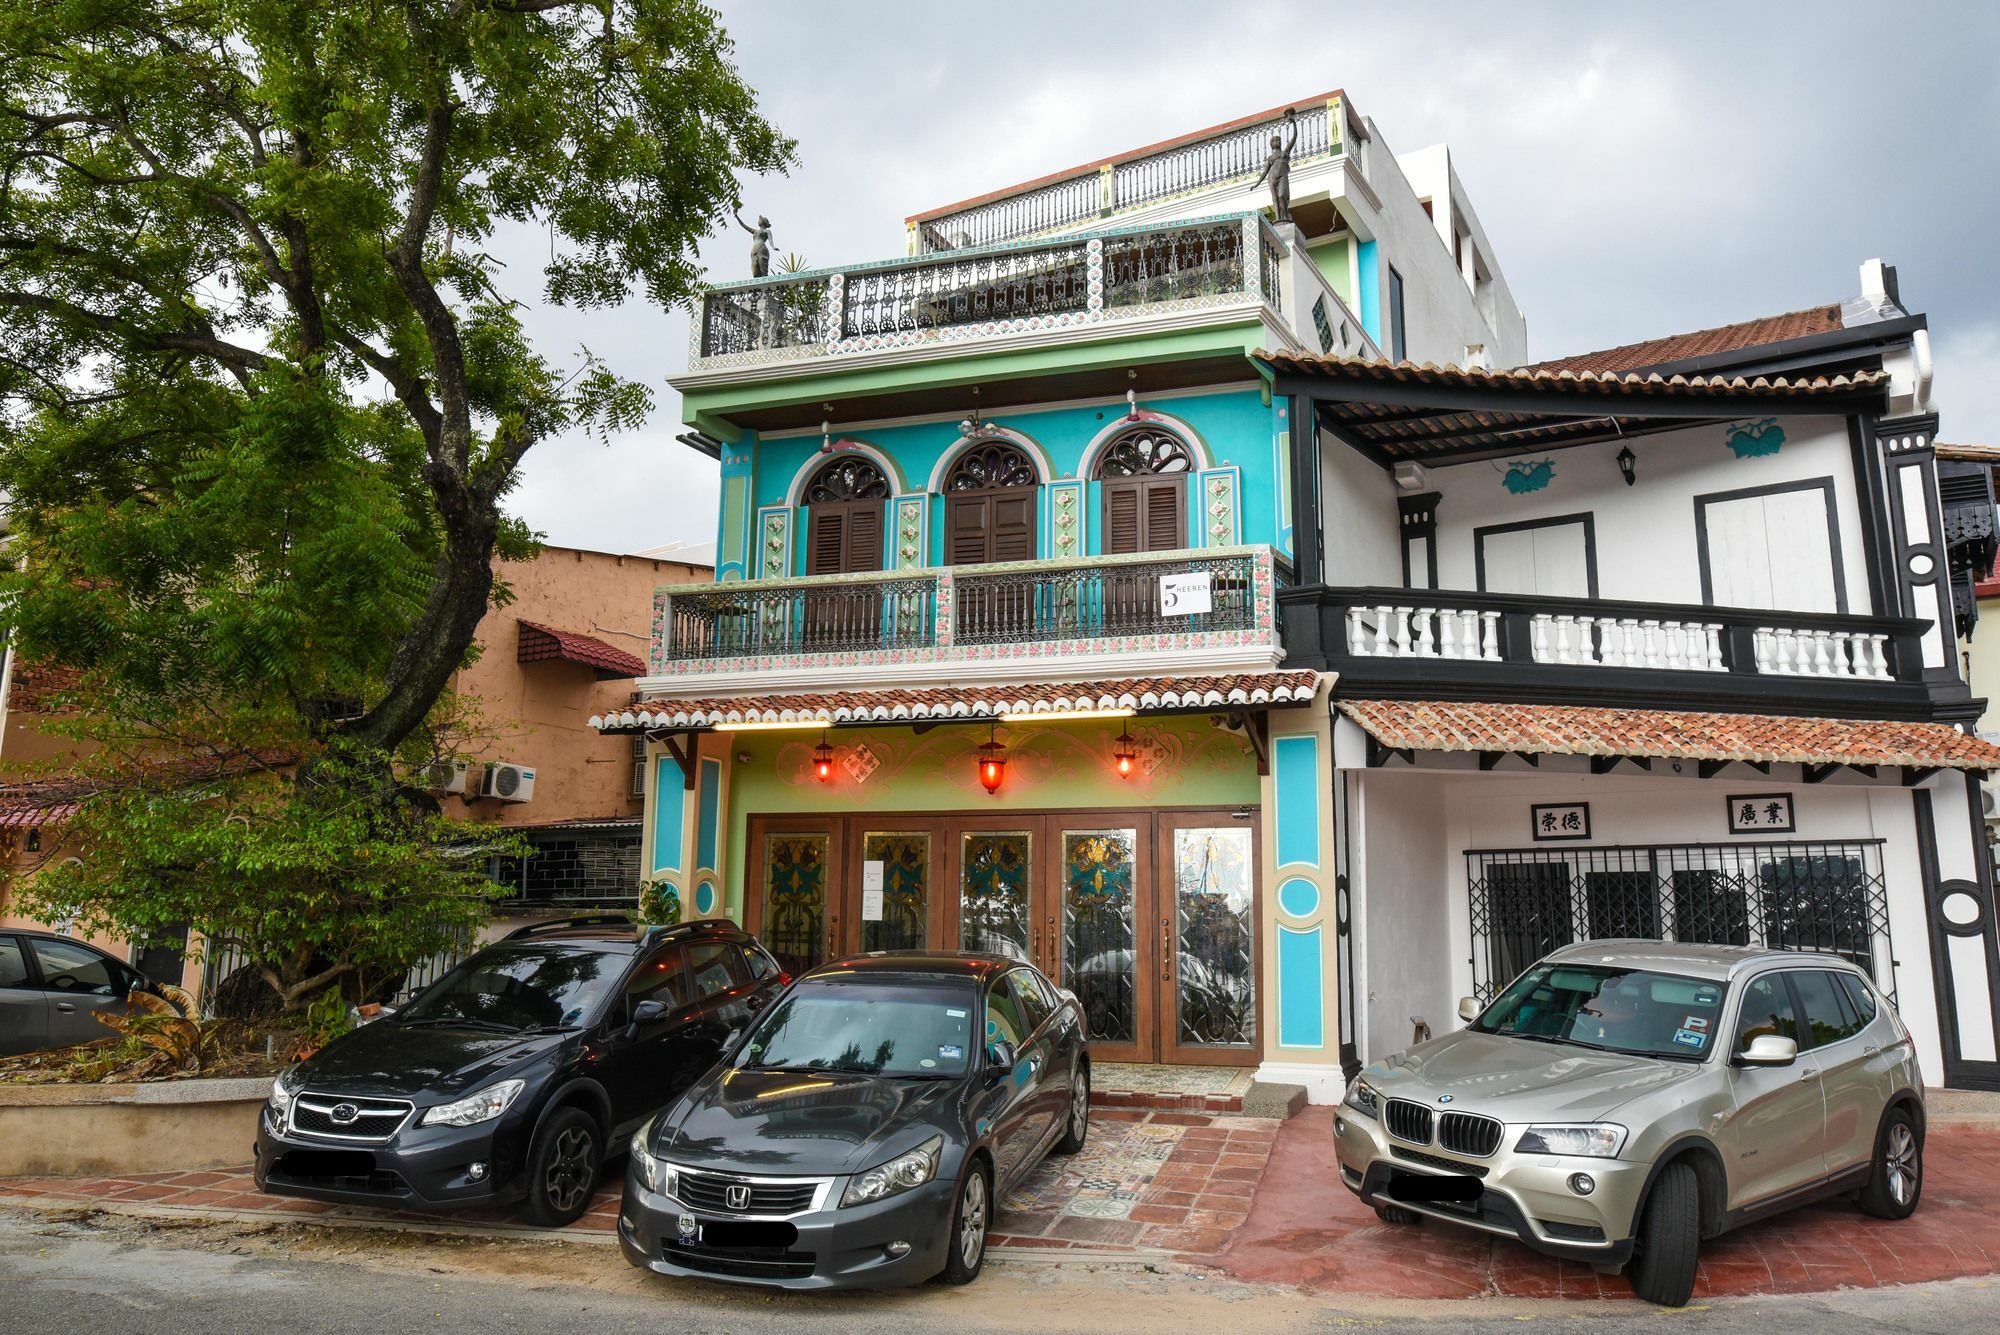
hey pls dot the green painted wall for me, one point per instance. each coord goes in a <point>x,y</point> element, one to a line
<point>1333,264</point>
<point>1055,765</point>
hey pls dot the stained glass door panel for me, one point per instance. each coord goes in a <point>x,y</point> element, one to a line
<point>902,917</point>
<point>1100,930</point>
<point>1214,928</point>
<point>794,899</point>
<point>995,878</point>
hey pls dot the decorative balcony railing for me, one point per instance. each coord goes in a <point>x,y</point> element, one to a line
<point>1073,281</point>
<point>1096,192</point>
<point>1220,599</point>
<point>1386,636</point>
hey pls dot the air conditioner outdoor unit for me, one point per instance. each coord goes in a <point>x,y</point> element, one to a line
<point>510,783</point>
<point>443,776</point>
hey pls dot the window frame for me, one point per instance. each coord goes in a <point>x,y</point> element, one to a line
<point>1840,1003</point>
<point>1784,985</point>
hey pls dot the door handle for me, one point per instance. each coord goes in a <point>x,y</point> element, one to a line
<point>1808,1077</point>
<point>66,1007</point>
<point>1034,942</point>
<point>1870,1050</point>
<point>1166,950</point>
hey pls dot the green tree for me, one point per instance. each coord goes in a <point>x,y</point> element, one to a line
<point>264,389</point>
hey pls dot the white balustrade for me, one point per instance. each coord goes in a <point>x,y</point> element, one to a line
<point>1788,651</point>
<point>1389,631</point>
<point>1677,646</point>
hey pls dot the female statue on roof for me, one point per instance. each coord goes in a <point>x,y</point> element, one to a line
<point>760,242</point>
<point>1278,167</point>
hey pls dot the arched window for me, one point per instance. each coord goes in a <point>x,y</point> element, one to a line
<point>989,508</point>
<point>1143,474</point>
<point>844,503</point>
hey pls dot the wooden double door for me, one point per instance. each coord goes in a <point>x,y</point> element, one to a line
<point>1150,917</point>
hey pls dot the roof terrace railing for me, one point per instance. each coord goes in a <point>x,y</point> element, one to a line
<point>1000,289</point>
<point>1099,191</point>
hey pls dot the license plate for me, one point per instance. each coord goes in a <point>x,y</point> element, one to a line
<point>1436,1188</point>
<point>735,1233</point>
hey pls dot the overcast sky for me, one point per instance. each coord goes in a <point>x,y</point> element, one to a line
<point>1640,169</point>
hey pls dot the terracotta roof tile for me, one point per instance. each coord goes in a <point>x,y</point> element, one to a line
<point>1546,377</point>
<point>1968,454</point>
<point>1702,342</point>
<point>540,643</point>
<point>915,704</point>
<point>1569,730</point>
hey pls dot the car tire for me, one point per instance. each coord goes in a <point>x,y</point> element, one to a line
<point>1396,1214</point>
<point>563,1164</point>
<point>1669,1242</point>
<point>971,1220</point>
<point>1079,1113</point>
<point>1897,1182</point>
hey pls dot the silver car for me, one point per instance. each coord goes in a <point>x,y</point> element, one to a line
<point>1621,1101</point>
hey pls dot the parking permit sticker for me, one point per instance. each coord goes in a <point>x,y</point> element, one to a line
<point>950,1052</point>
<point>1690,1038</point>
<point>956,1015</point>
<point>926,1063</point>
<point>1698,1023</point>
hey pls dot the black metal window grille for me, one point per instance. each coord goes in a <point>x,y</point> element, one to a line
<point>1114,601</point>
<point>1790,895</point>
<point>573,867</point>
<point>775,315</point>
<point>1203,261</point>
<point>1006,285</point>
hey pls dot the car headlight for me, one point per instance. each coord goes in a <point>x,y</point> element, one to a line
<point>898,1175</point>
<point>278,1107</point>
<point>484,1106</point>
<point>658,1175</point>
<point>1362,1097</point>
<point>1598,1140</point>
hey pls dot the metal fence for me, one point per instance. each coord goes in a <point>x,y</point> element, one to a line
<point>1789,895</point>
<point>218,965</point>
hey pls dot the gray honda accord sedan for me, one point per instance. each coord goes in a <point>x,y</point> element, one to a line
<point>862,1129</point>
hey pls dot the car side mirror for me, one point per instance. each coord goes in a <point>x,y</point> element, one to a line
<point>1468,1009</point>
<point>999,1057</point>
<point>1769,1050</point>
<point>645,1013</point>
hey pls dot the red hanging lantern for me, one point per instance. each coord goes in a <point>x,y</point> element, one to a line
<point>1123,754</point>
<point>823,760</point>
<point>992,763</point>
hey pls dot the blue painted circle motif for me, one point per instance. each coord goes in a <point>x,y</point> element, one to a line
<point>1298,897</point>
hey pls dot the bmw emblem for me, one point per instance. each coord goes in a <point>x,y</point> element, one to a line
<point>687,1228</point>
<point>1444,1098</point>
<point>342,1113</point>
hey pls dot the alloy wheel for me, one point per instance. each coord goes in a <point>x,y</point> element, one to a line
<point>1079,1107</point>
<point>972,1221</point>
<point>1901,1163</point>
<point>569,1175</point>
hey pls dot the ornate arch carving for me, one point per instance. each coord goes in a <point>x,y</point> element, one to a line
<point>1145,451</point>
<point>991,465</point>
<point>849,477</point>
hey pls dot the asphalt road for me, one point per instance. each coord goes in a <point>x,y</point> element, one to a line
<point>106,1276</point>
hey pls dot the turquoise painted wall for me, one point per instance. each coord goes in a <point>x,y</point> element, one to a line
<point>1371,292</point>
<point>1235,426</point>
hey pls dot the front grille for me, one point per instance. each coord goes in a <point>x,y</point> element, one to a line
<point>710,1192</point>
<point>1469,1133</point>
<point>1439,1162</point>
<point>1408,1121</point>
<point>794,1265</point>
<point>374,1120</point>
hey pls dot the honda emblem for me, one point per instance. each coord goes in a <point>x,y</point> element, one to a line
<point>738,1198</point>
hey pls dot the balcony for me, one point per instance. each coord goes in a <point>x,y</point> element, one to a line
<point>1504,648</point>
<point>952,624</point>
<point>1100,279</point>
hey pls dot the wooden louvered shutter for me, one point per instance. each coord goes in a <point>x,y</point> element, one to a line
<point>826,548</point>
<point>1166,515</point>
<point>968,529</point>
<point>1013,531</point>
<point>845,538</point>
<point>863,549</point>
<point>1144,514</point>
<point>1122,536</point>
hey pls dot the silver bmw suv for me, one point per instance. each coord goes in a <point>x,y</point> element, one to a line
<point>1623,1100</point>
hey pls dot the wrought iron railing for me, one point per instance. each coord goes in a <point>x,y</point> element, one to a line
<point>1096,192</point>
<point>1789,895</point>
<point>998,289</point>
<point>1119,599</point>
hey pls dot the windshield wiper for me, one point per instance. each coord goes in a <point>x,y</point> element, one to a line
<point>464,1021</point>
<point>1631,1052</point>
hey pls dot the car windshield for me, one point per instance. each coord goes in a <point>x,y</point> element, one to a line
<point>520,987</point>
<point>911,1030</point>
<point>1618,1010</point>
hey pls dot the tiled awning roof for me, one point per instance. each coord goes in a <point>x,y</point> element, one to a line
<point>1702,342</point>
<point>1567,730</point>
<point>540,643</point>
<point>30,815</point>
<point>1632,384</point>
<point>1967,453</point>
<point>949,703</point>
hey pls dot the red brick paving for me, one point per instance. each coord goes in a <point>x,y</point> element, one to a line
<point>1306,1229</point>
<point>1262,1201</point>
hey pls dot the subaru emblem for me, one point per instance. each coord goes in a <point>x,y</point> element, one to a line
<point>1444,1098</point>
<point>342,1113</point>
<point>738,1198</point>
<point>687,1228</point>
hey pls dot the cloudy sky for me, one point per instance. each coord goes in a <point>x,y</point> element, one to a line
<point>1640,169</point>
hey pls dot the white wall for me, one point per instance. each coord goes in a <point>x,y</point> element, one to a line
<point>1431,176</point>
<point>1402,911</point>
<point>1363,530</point>
<point>1646,540</point>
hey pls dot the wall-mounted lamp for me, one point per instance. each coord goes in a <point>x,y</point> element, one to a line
<point>823,761</point>
<point>1628,465</point>
<point>1123,755</point>
<point>992,763</point>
